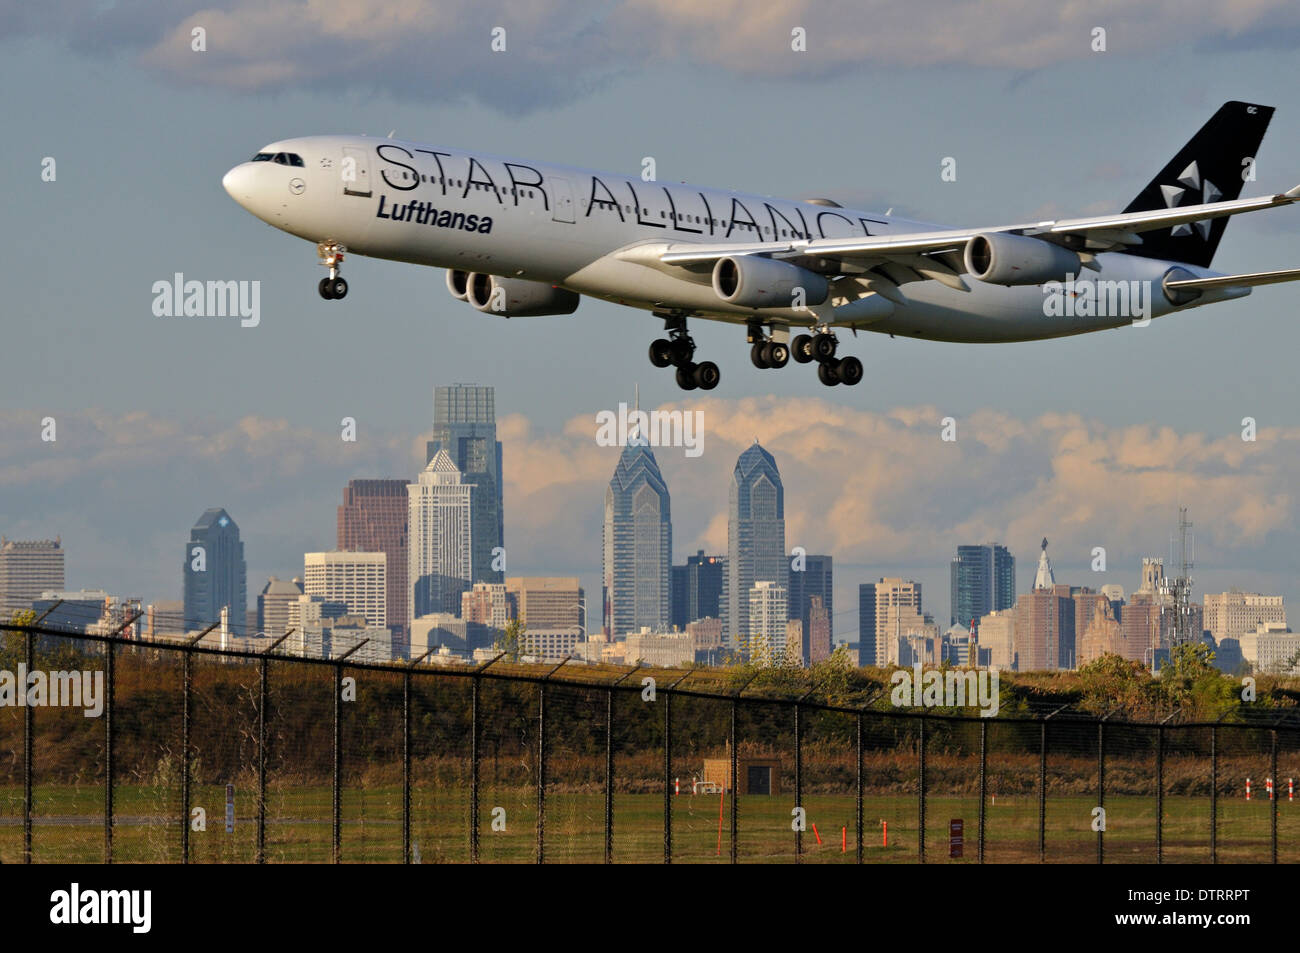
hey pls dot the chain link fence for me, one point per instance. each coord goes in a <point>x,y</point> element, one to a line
<point>195,754</point>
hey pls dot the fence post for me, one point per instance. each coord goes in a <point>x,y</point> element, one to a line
<point>541,772</point>
<point>858,748</point>
<point>735,789</point>
<point>1273,791</point>
<point>668,777</point>
<point>1101,786</point>
<point>406,766</point>
<point>473,768</point>
<point>1160,793</point>
<point>337,781</point>
<point>261,762</point>
<point>186,686</point>
<point>110,650</point>
<point>1214,794</point>
<point>798,784</point>
<point>609,775</point>
<point>920,796</point>
<point>1042,791</point>
<point>28,752</point>
<point>984,765</point>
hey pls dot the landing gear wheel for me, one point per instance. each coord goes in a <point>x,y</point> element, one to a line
<point>682,351</point>
<point>849,371</point>
<point>324,288</point>
<point>801,348</point>
<point>686,377</point>
<point>827,375</point>
<point>338,288</point>
<point>777,354</point>
<point>756,355</point>
<point>823,347</point>
<point>661,352</point>
<point>707,375</point>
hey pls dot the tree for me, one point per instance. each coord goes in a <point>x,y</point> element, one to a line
<point>511,639</point>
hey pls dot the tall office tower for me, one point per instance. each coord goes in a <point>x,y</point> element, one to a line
<point>358,580</point>
<point>486,603</point>
<point>273,605</point>
<point>373,519</point>
<point>814,581</point>
<point>1045,627</point>
<point>465,425</point>
<point>697,589</point>
<point>867,624</point>
<point>214,571</point>
<point>755,537</point>
<point>636,562</point>
<point>28,568</point>
<point>818,642</point>
<point>769,614</point>
<point>439,566</point>
<point>1232,614</point>
<point>551,603</point>
<point>897,604</point>
<point>983,581</point>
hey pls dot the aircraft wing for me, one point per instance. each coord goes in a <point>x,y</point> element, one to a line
<point>933,250</point>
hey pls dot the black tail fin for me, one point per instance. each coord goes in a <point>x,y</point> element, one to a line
<point>1212,167</point>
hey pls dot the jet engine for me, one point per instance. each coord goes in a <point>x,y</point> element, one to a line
<point>1001,258</point>
<point>754,281</point>
<point>511,297</point>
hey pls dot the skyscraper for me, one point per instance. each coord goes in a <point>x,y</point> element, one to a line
<point>440,524</point>
<point>983,580</point>
<point>697,589</point>
<point>636,562</point>
<point>373,519</point>
<point>769,615</point>
<point>867,623</point>
<point>895,606</point>
<point>814,581</point>
<point>755,538</point>
<point>214,572</point>
<point>358,580</point>
<point>28,568</point>
<point>465,425</point>
<point>273,605</point>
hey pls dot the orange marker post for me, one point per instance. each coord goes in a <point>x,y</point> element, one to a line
<point>816,835</point>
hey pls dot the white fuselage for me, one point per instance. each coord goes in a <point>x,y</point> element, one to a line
<point>600,234</point>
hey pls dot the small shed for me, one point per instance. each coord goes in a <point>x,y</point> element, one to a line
<point>753,775</point>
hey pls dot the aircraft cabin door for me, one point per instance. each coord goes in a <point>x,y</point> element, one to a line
<point>562,198</point>
<point>356,171</point>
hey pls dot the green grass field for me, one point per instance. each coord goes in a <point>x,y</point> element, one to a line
<point>69,828</point>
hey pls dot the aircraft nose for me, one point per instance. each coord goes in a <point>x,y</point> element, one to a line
<point>238,182</point>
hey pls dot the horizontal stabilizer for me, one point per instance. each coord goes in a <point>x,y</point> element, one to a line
<point>1235,281</point>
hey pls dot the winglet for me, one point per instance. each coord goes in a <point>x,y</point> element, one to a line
<point>1293,193</point>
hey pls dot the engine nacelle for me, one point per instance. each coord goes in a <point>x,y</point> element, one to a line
<point>458,284</point>
<point>753,281</point>
<point>515,297</point>
<point>1004,259</point>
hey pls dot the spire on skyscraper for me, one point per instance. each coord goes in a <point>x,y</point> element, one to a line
<point>1044,579</point>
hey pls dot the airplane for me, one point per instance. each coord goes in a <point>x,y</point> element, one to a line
<point>523,238</point>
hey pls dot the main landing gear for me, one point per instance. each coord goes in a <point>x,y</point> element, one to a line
<point>678,349</point>
<point>820,347</point>
<point>331,256</point>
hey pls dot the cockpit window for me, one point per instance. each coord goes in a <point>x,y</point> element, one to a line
<point>280,158</point>
<point>295,159</point>
<point>262,157</point>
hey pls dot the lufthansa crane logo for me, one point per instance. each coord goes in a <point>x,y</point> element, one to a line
<point>297,186</point>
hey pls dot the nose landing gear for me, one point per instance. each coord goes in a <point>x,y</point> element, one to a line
<point>331,256</point>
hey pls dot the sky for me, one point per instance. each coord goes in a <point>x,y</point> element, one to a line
<point>1090,441</point>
